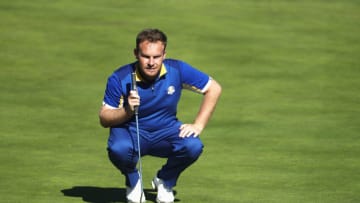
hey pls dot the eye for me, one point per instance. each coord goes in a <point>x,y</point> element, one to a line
<point>145,56</point>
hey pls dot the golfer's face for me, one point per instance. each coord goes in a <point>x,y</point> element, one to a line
<point>150,56</point>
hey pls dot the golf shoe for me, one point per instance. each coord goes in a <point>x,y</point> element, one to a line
<point>133,195</point>
<point>164,194</point>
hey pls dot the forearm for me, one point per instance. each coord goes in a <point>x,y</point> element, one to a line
<point>208,105</point>
<point>111,117</point>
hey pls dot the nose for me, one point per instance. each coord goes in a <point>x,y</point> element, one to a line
<point>151,62</point>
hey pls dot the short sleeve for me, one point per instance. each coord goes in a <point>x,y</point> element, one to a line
<point>193,79</point>
<point>113,94</point>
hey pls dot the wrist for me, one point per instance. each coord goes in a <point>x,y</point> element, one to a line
<point>129,112</point>
<point>199,127</point>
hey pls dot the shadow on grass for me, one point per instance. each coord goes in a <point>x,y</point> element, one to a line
<point>104,195</point>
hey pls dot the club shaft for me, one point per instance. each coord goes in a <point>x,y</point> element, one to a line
<point>136,111</point>
<point>139,153</point>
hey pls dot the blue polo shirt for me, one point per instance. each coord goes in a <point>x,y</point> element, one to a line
<point>158,100</point>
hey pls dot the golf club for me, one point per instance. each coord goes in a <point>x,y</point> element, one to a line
<point>136,110</point>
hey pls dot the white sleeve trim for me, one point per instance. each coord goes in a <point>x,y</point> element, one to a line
<point>207,86</point>
<point>108,106</point>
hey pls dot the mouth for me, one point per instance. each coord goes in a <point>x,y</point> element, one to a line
<point>151,69</point>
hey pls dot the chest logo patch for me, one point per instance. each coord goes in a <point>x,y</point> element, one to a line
<point>170,90</point>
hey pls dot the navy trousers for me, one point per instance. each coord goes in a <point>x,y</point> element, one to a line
<point>165,143</point>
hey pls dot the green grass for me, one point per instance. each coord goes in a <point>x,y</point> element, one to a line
<point>286,128</point>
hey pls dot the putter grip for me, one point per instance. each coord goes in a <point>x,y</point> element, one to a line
<point>133,87</point>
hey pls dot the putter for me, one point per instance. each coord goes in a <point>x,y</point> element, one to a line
<point>136,110</point>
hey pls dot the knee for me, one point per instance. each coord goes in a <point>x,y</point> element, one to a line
<point>193,147</point>
<point>119,151</point>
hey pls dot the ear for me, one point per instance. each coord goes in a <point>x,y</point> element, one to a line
<point>136,53</point>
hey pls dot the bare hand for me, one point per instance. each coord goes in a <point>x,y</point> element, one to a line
<point>187,130</point>
<point>133,100</point>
